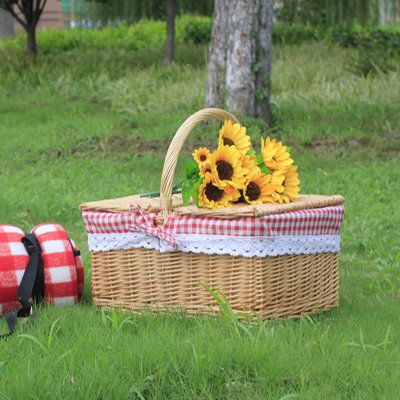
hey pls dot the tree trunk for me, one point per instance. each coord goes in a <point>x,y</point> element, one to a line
<point>217,57</point>
<point>239,71</point>
<point>387,11</point>
<point>240,79</point>
<point>6,24</point>
<point>382,11</point>
<point>31,42</point>
<point>170,43</point>
<point>263,65</point>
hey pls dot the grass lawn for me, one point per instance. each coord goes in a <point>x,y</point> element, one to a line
<point>85,126</point>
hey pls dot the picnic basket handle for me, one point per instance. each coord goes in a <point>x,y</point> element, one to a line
<point>167,177</point>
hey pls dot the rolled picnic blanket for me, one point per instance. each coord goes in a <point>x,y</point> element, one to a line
<point>44,265</point>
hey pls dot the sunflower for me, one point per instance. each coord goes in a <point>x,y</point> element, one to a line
<point>201,155</point>
<point>250,163</point>
<point>212,196</point>
<point>291,186</point>
<point>205,168</point>
<point>259,189</point>
<point>234,135</point>
<point>227,168</point>
<point>275,155</point>
<point>277,179</point>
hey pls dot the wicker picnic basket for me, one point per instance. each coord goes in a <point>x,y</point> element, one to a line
<point>133,266</point>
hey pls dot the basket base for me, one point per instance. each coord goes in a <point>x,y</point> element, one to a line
<point>268,287</point>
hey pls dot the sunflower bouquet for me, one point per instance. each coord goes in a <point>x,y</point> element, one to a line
<point>234,172</point>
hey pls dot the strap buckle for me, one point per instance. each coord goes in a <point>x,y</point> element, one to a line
<point>31,247</point>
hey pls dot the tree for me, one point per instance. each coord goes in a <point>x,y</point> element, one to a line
<point>27,13</point>
<point>6,24</point>
<point>170,42</point>
<point>239,71</point>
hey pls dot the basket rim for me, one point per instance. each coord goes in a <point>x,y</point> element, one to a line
<point>123,204</point>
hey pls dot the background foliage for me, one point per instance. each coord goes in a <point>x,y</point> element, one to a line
<point>313,12</point>
<point>131,11</point>
<point>338,12</point>
<point>377,48</point>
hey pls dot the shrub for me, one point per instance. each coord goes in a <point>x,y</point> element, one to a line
<point>195,29</point>
<point>357,36</point>
<point>377,50</point>
<point>292,34</point>
<point>146,34</point>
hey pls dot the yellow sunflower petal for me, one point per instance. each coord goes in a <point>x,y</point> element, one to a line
<point>290,185</point>
<point>250,163</point>
<point>234,135</point>
<point>275,155</point>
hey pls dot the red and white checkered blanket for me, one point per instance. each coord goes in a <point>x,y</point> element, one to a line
<point>64,277</point>
<point>115,230</point>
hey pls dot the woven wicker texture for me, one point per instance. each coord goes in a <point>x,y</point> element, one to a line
<point>290,285</point>
<point>272,286</point>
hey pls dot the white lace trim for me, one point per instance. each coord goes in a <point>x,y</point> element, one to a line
<point>232,245</point>
<point>121,241</point>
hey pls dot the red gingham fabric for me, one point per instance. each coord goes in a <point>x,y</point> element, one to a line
<point>145,223</point>
<point>64,277</point>
<point>13,261</point>
<point>104,222</point>
<point>316,221</point>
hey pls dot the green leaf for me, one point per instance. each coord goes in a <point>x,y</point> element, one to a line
<point>260,163</point>
<point>191,170</point>
<point>195,191</point>
<point>289,149</point>
<point>264,169</point>
<point>186,191</point>
<point>250,152</point>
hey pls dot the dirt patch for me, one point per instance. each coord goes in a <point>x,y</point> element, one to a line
<point>386,145</point>
<point>135,145</point>
<point>138,146</point>
<point>331,146</point>
<point>114,145</point>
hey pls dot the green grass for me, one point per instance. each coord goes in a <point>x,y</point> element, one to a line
<point>75,131</point>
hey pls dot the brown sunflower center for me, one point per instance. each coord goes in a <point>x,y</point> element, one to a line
<point>224,169</point>
<point>228,142</point>
<point>213,193</point>
<point>253,191</point>
<point>203,157</point>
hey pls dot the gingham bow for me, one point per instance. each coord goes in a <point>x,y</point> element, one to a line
<point>145,223</point>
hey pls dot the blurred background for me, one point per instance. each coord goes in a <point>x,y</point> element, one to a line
<point>74,13</point>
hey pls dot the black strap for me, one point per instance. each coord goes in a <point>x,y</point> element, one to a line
<point>32,282</point>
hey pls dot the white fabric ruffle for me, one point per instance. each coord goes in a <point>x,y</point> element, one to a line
<point>231,245</point>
